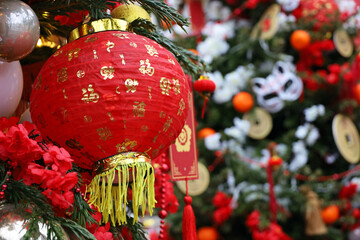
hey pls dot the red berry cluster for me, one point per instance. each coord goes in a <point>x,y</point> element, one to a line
<point>4,186</point>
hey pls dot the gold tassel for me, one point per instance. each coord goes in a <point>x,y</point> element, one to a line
<point>112,200</point>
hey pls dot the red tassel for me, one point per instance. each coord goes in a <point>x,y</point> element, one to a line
<point>188,224</point>
<point>204,106</point>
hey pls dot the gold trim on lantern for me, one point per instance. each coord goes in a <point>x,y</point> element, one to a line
<point>101,25</point>
<point>120,159</point>
<point>202,77</point>
<point>111,199</point>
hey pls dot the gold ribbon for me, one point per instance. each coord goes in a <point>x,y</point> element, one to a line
<point>101,25</point>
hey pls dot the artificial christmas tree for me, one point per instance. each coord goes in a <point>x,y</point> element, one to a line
<point>289,57</point>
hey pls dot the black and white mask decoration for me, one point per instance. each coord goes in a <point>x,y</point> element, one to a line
<point>281,85</point>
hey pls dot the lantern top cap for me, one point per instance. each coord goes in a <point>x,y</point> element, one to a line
<point>120,159</point>
<point>106,24</point>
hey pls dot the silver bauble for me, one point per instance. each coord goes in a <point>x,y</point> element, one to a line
<point>19,30</point>
<point>354,234</point>
<point>12,224</point>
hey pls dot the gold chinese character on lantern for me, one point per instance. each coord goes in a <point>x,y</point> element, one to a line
<point>162,114</point>
<point>107,72</point>
<point>139,109</point>
<point>126,145</point>
<point>145,67</point>
<point>133,44</point>
<point>73,53</point>
<point>121,35</point>
<point>131,85</point>
<point>176,86</point>
<point>104,133</point>
<point>181,107</point>
<point>171,61</point>
<point>62,75</point>
<point>167,124</point>
<point>109,45</point>
<point>89,95</point>
<point>80,74</point>
<point>91,39</point>
<point>165,85</point>
<point>58,53</point>
<point>87,118</point>
<point>151,50</point>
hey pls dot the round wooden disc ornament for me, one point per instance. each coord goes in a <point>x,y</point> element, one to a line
<point>268,24</point>
<point>260,123</point>
<point>343,43</point>
<point>197,186</point>
<point>346,137</point>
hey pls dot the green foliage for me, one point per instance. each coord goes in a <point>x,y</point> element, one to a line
<point>183,56</point>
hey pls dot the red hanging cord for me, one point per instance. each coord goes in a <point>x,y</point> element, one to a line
<point>188,224</point>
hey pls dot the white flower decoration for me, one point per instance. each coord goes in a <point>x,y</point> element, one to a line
<point>300,158</point>
<point>211,48</point>
<point>312,113</point>
<point>289,5</point>
<point>223,94</point>
<point>212,142</point>
<point>216,11</point>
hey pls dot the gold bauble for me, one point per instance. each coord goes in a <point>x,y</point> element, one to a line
<point>130,12</point>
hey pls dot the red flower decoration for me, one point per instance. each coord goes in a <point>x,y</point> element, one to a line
<point>348,191</point>
<point>222,214</point>
<point>58,158</point>
<point>58,199</point>
<point>20,148</point>
<point>253,220</point>
<point>221,200</point>
<point>91,227</point>
<point>102,233</point>
<point>6,123</point>
<point>73,18</point>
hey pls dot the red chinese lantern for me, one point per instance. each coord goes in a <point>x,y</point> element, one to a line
<point>114,100</point>
<point>205,87</point>
<point>275,162</point>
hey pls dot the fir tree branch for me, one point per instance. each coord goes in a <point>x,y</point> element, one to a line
<point>136,229</point>
<point>97,9</point>
<point>183,56</point>
<point>81,212</point>
<point>163,12</point>
<point>79,231</point>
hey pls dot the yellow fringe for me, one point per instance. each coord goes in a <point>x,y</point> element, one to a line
<point>112,200</point>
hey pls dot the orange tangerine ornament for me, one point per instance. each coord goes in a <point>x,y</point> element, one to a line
<point>330,214</point>
<point>208,233</point>
<point>243,102</point>
<point>205,132</point>
<point>300,39</point>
